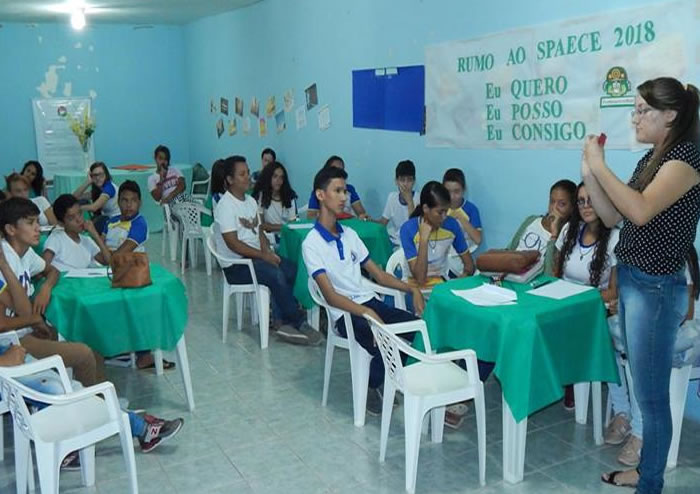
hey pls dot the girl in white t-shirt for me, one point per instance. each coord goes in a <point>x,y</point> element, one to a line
<point>67,248</point>
<point>585,254</point>
<point>275,197</point>
<point>18,186</point>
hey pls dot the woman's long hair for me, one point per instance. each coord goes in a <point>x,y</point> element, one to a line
<point>262,192</point>
<point>37,184</point>
<point>433,194</point>
<point>694,271</point>
<point>218,177</point>
<point>667,93</point>
<point>96,192</point>
<point>600,251</point>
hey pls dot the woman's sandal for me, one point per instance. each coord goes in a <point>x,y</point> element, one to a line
<point>167,365</point>
<point>613,475</point>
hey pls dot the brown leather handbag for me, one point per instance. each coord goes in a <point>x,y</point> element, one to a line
<point>507,261</point>
<point>130,270</point>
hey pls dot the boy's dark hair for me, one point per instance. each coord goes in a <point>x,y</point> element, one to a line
<point>62,204</point>
<point>330,161</point>
<point>269,151</point>
<point>229,166</point>
<point>164,150</point>
<point>15,209</point>
<point>455,175</point>
<point>406,168</point>
<point>328,173</point>
<point>129,186</point>
<point>2,196</point>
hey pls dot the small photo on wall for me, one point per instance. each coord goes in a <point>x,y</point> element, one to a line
<point>281,122</point>
<point>246,126</point>
<point>212,106</point>
<point>219,127</point>
<point>224,106</point>
<point>232,127</point>
<point>289,100</point>
<point>262,127</point>
<point>239,107</point>
<point>270,107</point>
<point>311,96</point>
<point>255,107</point>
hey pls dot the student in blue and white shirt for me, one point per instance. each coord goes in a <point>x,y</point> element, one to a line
<point>353,205</point>
<point>460,208</point>
<point>400,204</point>
<point>334,256</point>
<point>427,236</point>
<point>127,231</point>
<point>103,194</point>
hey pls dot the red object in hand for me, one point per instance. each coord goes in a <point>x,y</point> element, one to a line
<point>601,139</point>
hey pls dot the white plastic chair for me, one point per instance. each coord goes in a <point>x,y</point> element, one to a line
<point>428,385</point>
<point>74,421</point>
<point>6,339</point>
<point>260,296</point>
<point>398,260</point>
<point>359,358</point>
<point>195,185</point>
<point>170,234</point>
<point>189,214</point>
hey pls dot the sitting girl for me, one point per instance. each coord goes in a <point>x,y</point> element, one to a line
<point>166,184</point>
<point>34,173</point>
<point>66,248</point>
<point>275,197</point>
<point>427,236</point>
<point>353,206</point>
<point>18,186</point>
<point>584,253</point>
<point>102,202</point>
<point>540,232</point>
<point>462,210</point>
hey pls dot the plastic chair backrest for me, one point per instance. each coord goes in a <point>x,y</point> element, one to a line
<point>388,344</point>
<point>13,397</point>
<point>398,260</point>
<point>189,214</point>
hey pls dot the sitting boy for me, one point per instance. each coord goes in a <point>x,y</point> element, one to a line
<point>150,431</point>
<point>128,231</point>
<point>400,204</point>
<point>334,257</point>
<point>238,234</point>
<point>66,248</point>
<point>19,263</point>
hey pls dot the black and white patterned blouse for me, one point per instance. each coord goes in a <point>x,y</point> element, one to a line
<point>661,246</point>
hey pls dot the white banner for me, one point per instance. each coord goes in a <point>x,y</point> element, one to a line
<point>549,86</point>
<point>58,149</point>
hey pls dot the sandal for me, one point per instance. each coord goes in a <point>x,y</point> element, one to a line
<point>613,475</point>
<point>167,365</point>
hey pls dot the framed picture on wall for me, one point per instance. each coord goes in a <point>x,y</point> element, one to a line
<point>311,96</point>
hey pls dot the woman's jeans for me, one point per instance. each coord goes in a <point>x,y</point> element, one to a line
<point>652,308</point>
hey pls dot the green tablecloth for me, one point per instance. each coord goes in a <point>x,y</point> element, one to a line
<point>67,182</point>
<point>538,345</point>
<point>374,236</point>
<point>118,320</point>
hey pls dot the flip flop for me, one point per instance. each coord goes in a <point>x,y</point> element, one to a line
<point>613,475</point>
<point>167,365</point>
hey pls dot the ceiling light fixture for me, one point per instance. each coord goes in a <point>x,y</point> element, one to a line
<point>77,19</point>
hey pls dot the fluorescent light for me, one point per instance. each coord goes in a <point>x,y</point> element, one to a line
<point>77,19</point>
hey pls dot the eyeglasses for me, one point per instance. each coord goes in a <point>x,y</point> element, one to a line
<point>640,113</point>
<point>98,174</point>
<point>584,202</point>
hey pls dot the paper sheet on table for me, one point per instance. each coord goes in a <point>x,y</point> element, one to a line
<point>559,290</point>
<point>300,226</point>
<point>488,295</point>
<point>87,273</point>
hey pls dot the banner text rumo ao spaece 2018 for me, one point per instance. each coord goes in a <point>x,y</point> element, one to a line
<point>549,86</point>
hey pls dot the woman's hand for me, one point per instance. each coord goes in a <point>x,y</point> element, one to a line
<point>424,230</point>
<point>593,153</point>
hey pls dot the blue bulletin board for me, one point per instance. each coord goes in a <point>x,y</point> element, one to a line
<point>389,99</point>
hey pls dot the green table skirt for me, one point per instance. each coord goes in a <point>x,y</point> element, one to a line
<point>539,345</point>
<point>118,320</point>
<point>374,236</point>
<point>67,182</point>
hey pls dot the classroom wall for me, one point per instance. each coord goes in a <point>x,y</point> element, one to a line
<point>274,45</point>
<point>136,76</point>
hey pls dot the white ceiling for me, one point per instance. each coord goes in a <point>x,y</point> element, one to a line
<point>117,11</point>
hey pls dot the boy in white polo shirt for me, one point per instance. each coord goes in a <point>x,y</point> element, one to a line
<point>400,204</point>
<point>238,234</point>
<point>334,256</point>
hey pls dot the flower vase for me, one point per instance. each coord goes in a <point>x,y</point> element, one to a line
<point>86,161</point>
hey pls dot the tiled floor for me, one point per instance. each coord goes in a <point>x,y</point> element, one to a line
<point>259,427</point>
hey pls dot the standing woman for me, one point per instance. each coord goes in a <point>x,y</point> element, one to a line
<point>659,207</point>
